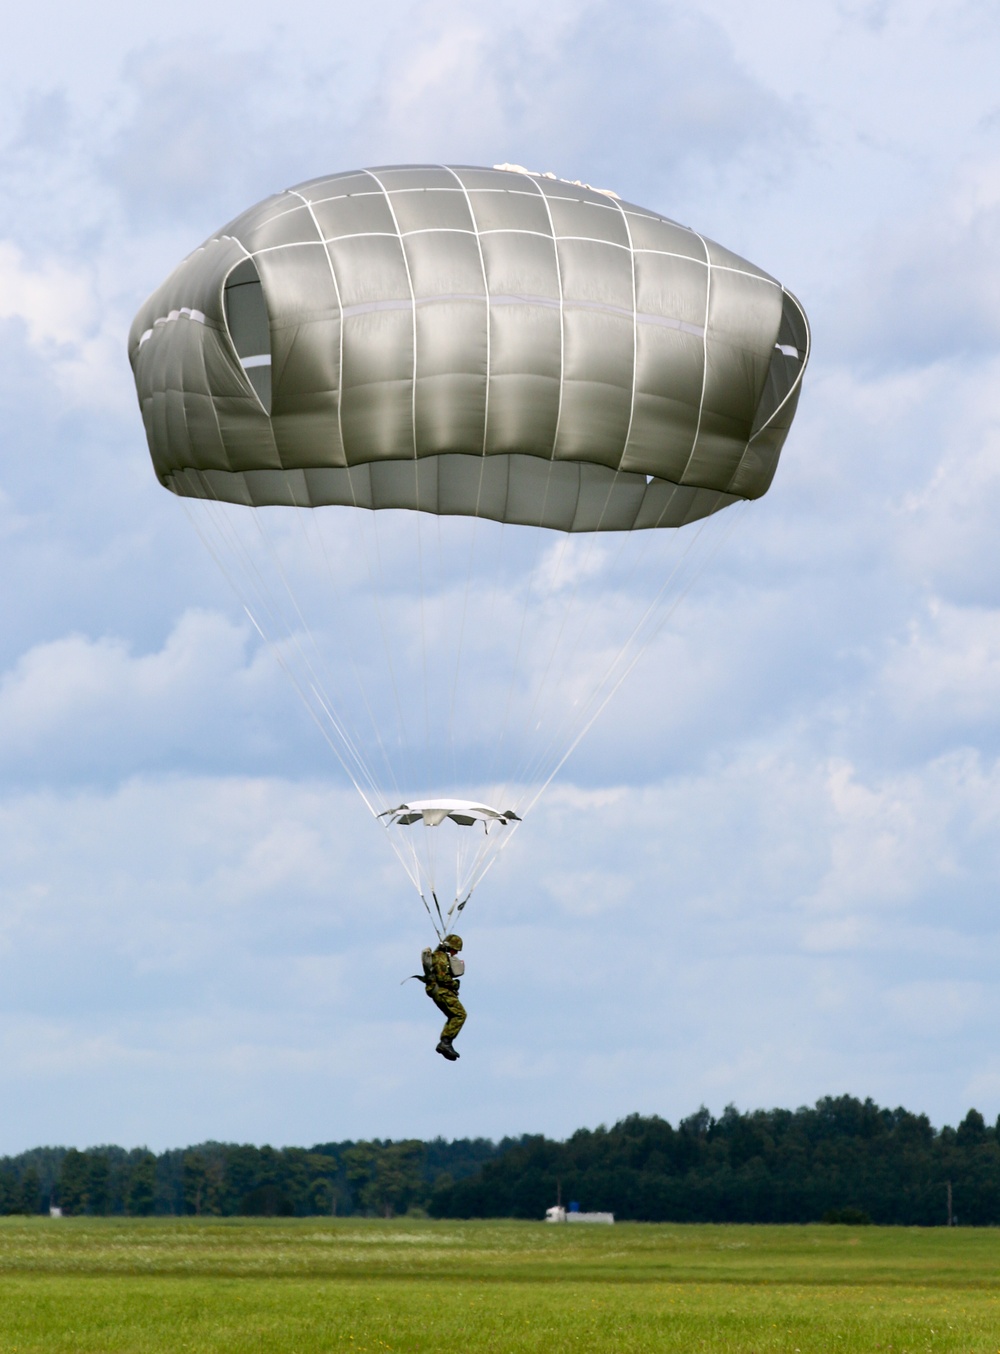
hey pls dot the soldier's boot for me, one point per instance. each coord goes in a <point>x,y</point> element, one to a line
<point>446,1050</point>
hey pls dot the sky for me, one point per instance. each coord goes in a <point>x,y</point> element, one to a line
<point>770,873</point>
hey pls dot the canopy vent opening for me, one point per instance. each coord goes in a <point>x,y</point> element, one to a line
<point>246,316</point>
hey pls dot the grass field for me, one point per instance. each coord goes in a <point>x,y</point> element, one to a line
<point>298,1286</point>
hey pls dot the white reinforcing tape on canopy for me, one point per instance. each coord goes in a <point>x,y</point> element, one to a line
<point>184,313</point>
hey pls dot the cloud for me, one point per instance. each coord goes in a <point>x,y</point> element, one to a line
<point>589,892</point>
<point>637,98</point>
<point>940,1008</point>
<point>59,309</point>
<point>945,677</point>
<point>627,98</point>
<point>887,845</point>
<point>275,855</point>
<point>871,14</point>
<point>228,950</point>
<point>928,286</point>
<point>71,334</point>
<point>56,303</point>
<point>85,709</point>
<point>191,142</point>
<point>945,523</point>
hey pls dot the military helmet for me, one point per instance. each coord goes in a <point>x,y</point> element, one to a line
<point>453,942</point>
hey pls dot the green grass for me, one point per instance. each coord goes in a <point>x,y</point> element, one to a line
<point>295,1287</point>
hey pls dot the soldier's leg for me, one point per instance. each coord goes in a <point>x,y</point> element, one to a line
<point>455,1012</point>
<point>448,1004</point>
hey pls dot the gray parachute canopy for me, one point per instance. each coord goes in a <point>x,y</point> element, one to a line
<point>483,342</point>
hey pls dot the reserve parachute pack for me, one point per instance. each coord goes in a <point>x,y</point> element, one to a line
<point>457,965</point>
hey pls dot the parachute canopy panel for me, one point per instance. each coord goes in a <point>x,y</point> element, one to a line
<point>468,341</point>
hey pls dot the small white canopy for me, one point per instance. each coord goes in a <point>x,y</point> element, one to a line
<point>465,812</point>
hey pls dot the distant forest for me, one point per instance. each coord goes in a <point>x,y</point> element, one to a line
<point>842,1160</point>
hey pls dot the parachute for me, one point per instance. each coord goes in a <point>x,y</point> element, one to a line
<point>440,425</point>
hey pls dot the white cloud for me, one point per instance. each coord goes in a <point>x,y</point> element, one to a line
<point>230,936</point>
<point>55,302</point>
<point>946,675</point>
<point>60,309</point>
<point>945,533</point>
<point>82,708</point>
<point>589,893</point>
<point>873,14</point>
<point>929,285</point>
<point>933,1008</point>
<point>569,563</point>
<point>628,97</point>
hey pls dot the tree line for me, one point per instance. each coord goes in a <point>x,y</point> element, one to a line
<point>379,1178</point>
<point>843,1159</point>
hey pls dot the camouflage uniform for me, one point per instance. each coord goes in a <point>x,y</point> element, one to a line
<point>443,991</point>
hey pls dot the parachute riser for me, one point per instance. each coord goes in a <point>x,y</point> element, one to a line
<point>441,923</point>
<point>444,926</point>
<point>439,933</point>
<point>459,906</point>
